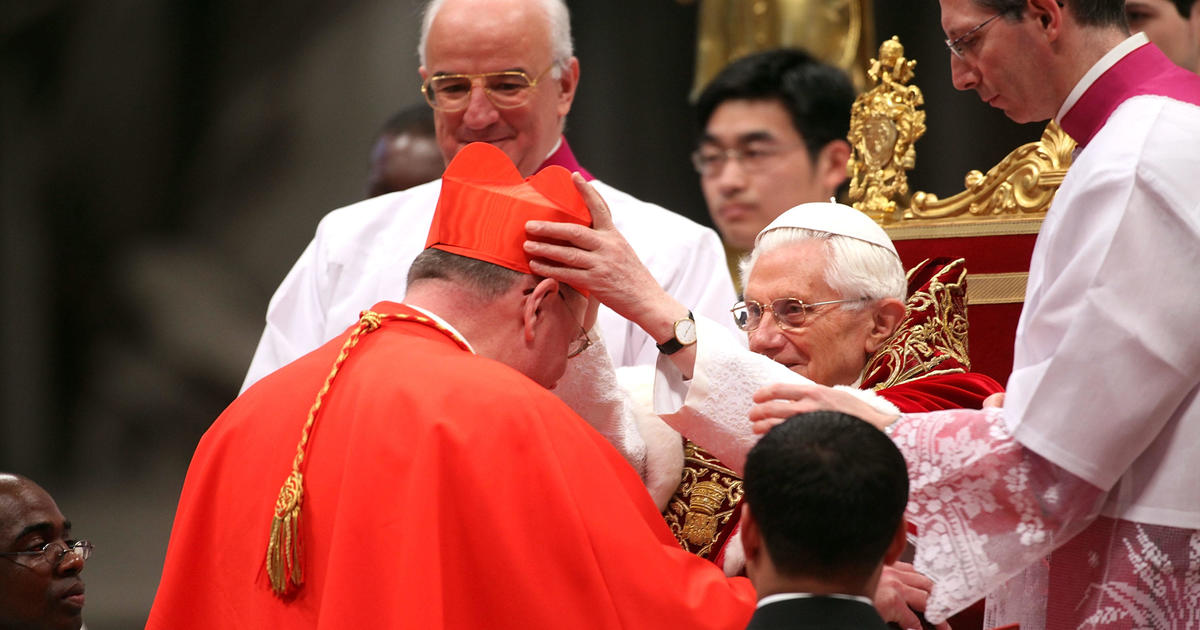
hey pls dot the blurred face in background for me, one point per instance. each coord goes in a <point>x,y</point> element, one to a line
<point>1178,36</point>
<point>754,165</point>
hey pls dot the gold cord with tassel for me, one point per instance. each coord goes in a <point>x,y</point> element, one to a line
<point>284,566</point>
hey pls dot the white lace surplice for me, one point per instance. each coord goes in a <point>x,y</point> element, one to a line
<point>989,512</point>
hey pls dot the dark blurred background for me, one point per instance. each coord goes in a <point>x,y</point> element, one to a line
<point>162,164</point>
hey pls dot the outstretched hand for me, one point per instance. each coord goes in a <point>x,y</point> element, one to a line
<point>598,259</point>
<point>779,401</point>
<point>902,590</point>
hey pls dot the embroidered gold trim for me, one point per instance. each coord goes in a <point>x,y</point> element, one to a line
<point>933,332</point>
<point>997,288</point>
<point>704,503</point>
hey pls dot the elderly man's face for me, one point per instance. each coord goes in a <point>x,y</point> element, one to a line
<point>774,174</point>
<point>1177,36</point>
<point>1003,61</point>
<point>476,36</point>
<point>33,593</point>
<point>832,346</point>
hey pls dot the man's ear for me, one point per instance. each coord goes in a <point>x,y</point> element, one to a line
<point>831,165</point>
<point>751,537</point>
<point>532,312</point>
<point>1048,14</point>
<point>899,542</point>
<point>885,319</point>
<point>566,86</point>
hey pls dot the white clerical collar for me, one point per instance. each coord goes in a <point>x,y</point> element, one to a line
<point>436,318</point>
<point>780,597</point>
<point>554,149</point>
<point>1110,59</point>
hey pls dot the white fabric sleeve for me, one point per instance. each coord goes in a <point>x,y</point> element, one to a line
<point>699,279</point>
<point>712,409</point>
<point>985,507</point>
<point>295,322</point>
<point>590,388</point>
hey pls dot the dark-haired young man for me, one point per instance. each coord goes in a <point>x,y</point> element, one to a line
<point>773,136</point>
<point>824,511</point>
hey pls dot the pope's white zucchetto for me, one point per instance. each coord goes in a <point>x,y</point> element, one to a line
<point>834,218</point>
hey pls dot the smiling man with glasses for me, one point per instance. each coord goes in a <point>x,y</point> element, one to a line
<point>501,72</point>
<point>40,587</point>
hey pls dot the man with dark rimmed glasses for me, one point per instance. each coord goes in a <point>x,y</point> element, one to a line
<point>40,587</point>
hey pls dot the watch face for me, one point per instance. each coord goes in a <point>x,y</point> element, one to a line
<point>685,331</point>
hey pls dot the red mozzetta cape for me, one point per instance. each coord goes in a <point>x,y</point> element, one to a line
<point>442,490</point>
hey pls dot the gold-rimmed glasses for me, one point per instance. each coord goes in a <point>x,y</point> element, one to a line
<point>789,312</point>
<point>505,89</point>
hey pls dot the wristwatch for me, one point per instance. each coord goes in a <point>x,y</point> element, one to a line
<point>685,335</point>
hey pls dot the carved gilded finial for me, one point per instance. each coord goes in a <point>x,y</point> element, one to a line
<point>884,125</point>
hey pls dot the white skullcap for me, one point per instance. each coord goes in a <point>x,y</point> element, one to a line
<point>834,218</point>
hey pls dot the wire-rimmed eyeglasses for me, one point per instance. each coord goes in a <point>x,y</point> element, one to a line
<point>506,89</point>
<point>789,312</point>
<point>710,160</point>
<point>958,45</point>
<point>54,552</point>
<point>580,343</point>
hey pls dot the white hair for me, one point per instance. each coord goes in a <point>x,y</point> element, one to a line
<point>557,16</point>
<point>854,268</point>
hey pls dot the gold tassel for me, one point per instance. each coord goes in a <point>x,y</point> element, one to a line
<point>283,550</point>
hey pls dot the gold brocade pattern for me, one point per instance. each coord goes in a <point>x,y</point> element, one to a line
<point>932,339</point>
<point>702,511</point>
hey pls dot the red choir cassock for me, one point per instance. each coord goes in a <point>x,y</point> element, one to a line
<point>441,489</point>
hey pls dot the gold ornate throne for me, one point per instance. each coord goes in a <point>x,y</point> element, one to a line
<point>992,223</point>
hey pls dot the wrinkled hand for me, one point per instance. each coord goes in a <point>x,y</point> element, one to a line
<point>779,401</point>
<point>597,259</point>
<point>995,400</point>
<point>902,590</point>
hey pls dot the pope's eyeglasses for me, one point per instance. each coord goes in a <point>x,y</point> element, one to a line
<point>789,312</point>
